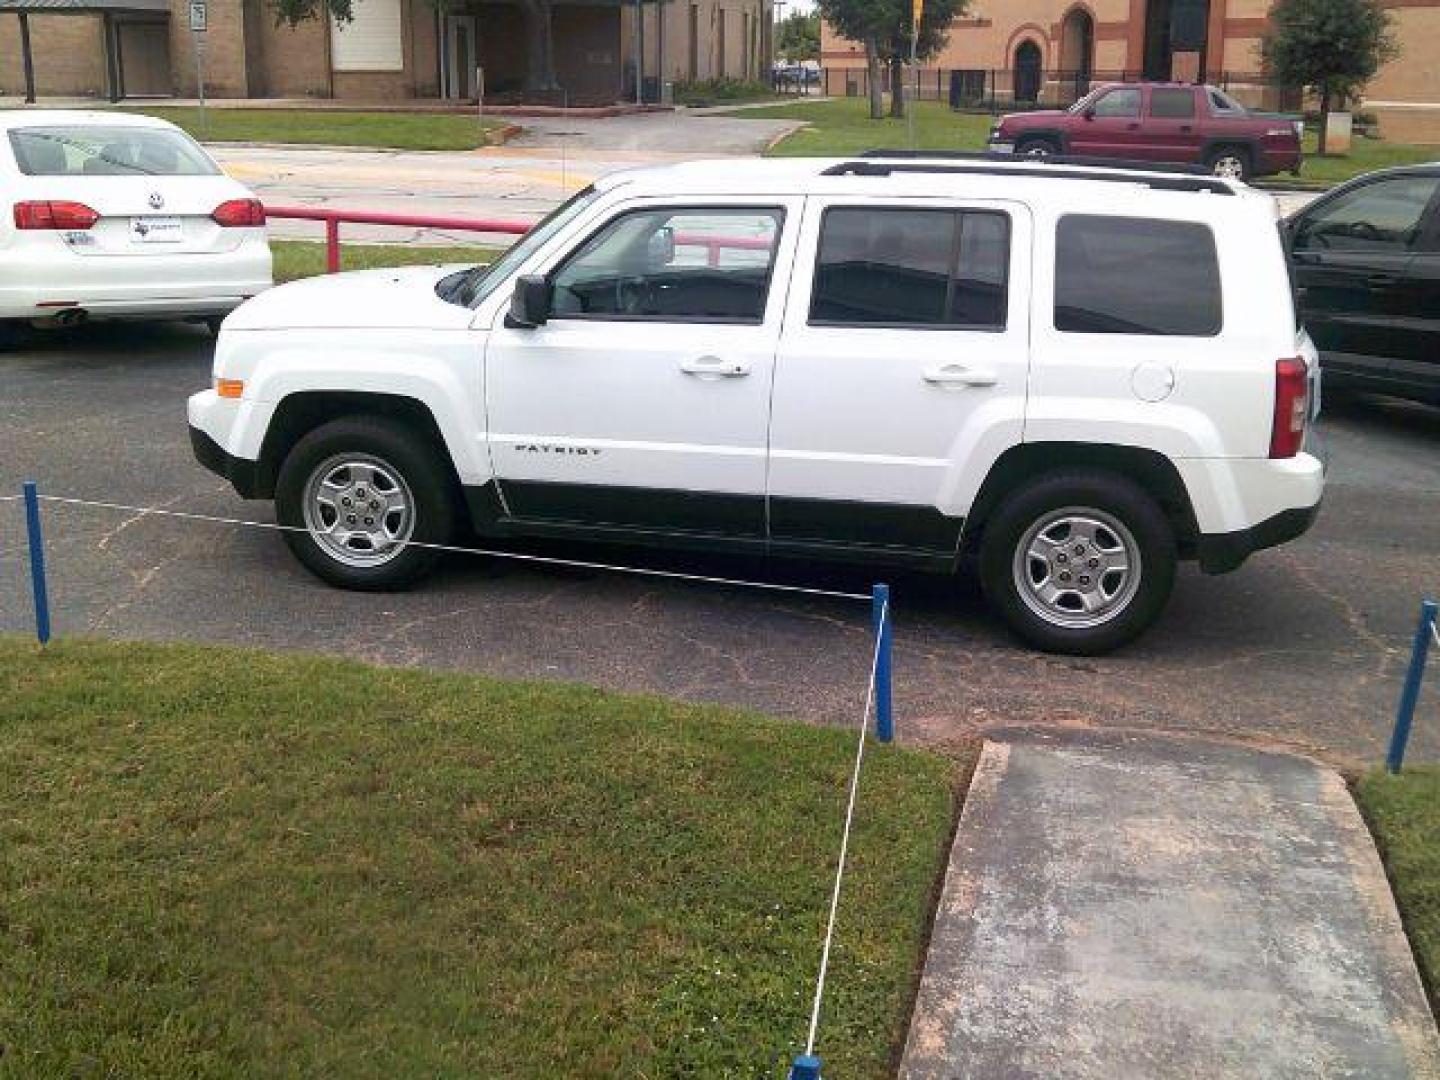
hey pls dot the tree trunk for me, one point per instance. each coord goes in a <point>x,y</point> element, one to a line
<point>1324,117</point>
<point>873,78</point>
<point>897,88</point>
<point>539,49</point>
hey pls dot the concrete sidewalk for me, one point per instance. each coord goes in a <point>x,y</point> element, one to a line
<point>1125,906</point>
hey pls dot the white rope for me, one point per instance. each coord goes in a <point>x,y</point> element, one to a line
<point>845,838</point>
<point>490,553</point>
<point>11,498</point>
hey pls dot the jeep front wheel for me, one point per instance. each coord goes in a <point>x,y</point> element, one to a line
<point>1078,562</point>
<point>358,495</point>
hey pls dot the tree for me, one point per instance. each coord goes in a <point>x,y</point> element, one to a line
<point>798,37</point>
<point>1333,47</point>
<point>539,36</point>
<point>883,27</point>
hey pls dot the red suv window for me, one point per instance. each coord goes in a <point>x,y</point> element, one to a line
<point>1122,102</point>
<point>1172,104</point>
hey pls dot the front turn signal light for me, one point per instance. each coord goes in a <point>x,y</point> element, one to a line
<point>229,388</point>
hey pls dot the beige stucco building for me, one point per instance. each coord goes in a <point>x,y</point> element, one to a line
<point>1051,50</point>
<point>392,49</point>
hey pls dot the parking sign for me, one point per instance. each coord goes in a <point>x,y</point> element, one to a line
<point>197,16</point>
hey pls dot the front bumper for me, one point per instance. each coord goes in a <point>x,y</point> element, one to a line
<point>1219,553</point>
<point>244,475</point>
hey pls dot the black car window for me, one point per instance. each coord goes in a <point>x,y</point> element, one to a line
<point>1382,216</point>
<point>1122,102</point>
<point>1119,275</point>
<point>673,264</point>
<point>1172,103</point>
<point>920,268</point>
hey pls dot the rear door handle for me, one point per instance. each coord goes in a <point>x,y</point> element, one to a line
<point>1185,129</point>
<point>712,367</point>
<point>960,375</point>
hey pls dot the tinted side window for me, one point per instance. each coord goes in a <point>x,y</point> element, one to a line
<point>1123,102</point>
<point>1116,275</point>
<point>892,267</point>
<point>673,264</point>
<point>1379,217</point>
<point>1172,103</point>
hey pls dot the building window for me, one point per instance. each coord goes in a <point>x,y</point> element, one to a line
<point>371,41</point>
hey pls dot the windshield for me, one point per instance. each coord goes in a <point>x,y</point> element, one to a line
<point>470,287</point>
<point>1085,102</point>
<point>93,150</point>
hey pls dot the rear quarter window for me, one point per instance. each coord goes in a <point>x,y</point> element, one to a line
<point>1123,275</point>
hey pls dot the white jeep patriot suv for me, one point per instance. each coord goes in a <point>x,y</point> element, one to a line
<point>1071,376</point>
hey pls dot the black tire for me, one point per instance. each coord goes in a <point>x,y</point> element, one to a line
<point>1111,500</point>
<point>402,453</point>
<point>1230,161</point>
<point>9,333</point>
<point>1036,147</point>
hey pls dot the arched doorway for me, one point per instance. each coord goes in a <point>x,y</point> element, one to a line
<point>1077,51</point>
<point>1027,72</point>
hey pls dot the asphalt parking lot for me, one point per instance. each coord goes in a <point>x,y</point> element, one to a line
<point>1304,646</point>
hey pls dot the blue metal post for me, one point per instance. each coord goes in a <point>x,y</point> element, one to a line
<point>1411,693</point>
<point>37,562</point>
<point>805,1067</point>
<point>880,615</point>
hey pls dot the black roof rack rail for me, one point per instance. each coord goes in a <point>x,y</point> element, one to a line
<point>1022,167</point>
<point>1129,164</point>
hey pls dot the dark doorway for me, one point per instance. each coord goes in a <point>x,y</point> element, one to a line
<point>1174,26</point>
<point>1027,72</point>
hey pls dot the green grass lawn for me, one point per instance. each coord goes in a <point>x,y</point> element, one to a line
<point>401,131</point>
<point>305,258</point>
<point>1404,814</point>
<point>843,126</point>
<point>1365,156</point>
<point>228,863</point>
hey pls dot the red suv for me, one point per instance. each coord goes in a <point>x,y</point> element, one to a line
<point>1171,122</point>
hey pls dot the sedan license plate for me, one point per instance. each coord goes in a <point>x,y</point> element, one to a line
<point>155,230</point>
<point>1002,148</point>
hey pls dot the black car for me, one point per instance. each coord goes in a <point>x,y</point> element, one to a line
<point>1367,276</point>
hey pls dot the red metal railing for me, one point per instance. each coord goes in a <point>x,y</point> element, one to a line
<point>333,219</point>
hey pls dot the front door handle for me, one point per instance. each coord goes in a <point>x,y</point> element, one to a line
<point>712,367</point>
<point>1382,281</point>
<point>960,375</point>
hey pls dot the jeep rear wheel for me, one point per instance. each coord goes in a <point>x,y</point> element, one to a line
<point>1078,562</point>
<point>358,494</point>
<point>1229,163</point>
<point>1036,148</point>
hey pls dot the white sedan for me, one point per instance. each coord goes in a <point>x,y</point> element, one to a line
<point>113,215</point>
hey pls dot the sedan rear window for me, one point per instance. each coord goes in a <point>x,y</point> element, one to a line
<point>94,150</point>
<point>1120,275</point>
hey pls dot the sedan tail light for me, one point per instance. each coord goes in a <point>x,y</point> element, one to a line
<point>1292,407</point>
<point>54,216</point>
<point>240,214</point>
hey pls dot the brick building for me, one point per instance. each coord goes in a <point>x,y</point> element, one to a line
<point>392,49</point>
<point>1050,51</point>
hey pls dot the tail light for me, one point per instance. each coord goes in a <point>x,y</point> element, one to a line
<point>240,214</point>
<point>1292,407</point>
<point>54,216</point>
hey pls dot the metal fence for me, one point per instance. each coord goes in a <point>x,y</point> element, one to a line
<point>1015,89</point>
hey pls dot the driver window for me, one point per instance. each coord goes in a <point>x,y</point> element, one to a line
<point>1122,102</point>
<point>673,264</point>
<point>1379,217</point>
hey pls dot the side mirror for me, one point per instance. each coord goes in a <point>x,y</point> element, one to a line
<point>530,306</point>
